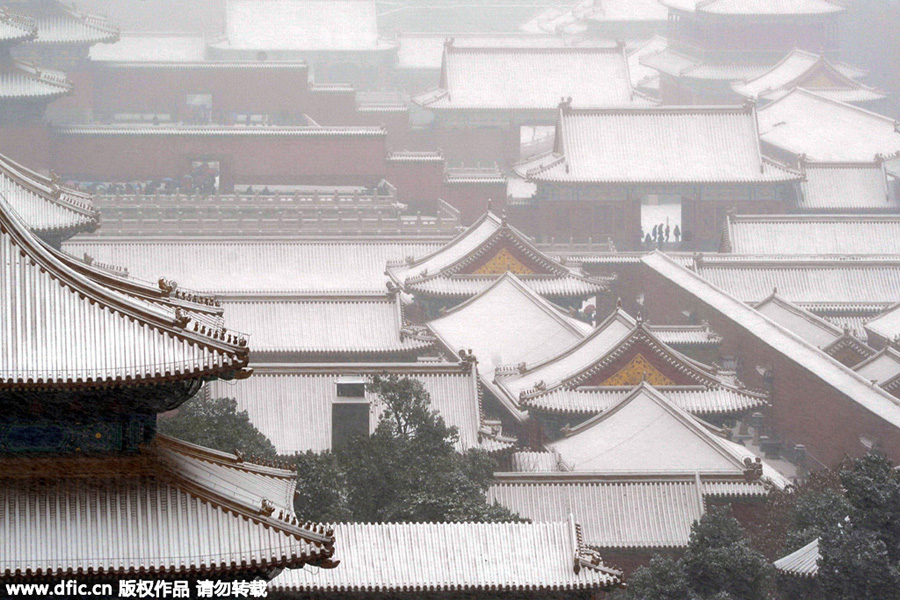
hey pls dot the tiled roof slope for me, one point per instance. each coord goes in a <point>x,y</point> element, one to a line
<point>19,80</point>
<point>455,557</point>
<point>845,188</point>
<point>658,145</point>
<point>15,28</point>
<point>173,509</point>
<point>812,235</point>
<point>529,78</point>
<point>63,328</point>
<point>803,562</point>
<point>756,7</point>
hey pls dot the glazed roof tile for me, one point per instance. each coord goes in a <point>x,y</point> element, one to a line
<point>812,235</point>
<point>887,324</point>
<point>15,28</point>
<point>883,368</point>
<point>425,50</point>
<point>20,80</point>
<point>803,562</point>
<point>453,557</point>
<point>659,145</point>
<point>530,78</point>
<point>152,48</point>
<point>291,404</point>
<point>756,7</point>
<point>846,187</point>
<point>805,324</point>
<point>805,123</point>
<point>61,24</point>
<point>207,513</point>
<point>677,64</point>
<point>642,76</point>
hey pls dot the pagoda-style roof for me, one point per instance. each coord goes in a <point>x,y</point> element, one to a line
<point>803,122</point>
<point>529,78</point>
<point>883,368</point>
<point>800,563</point>
<point>663,145</point>
<point>620,352</point>
<point>48,209</point>
<point>210,513</point>
<point>350,326</point>
<point>845,188</point>
<point>479,557</point>
<point>472,262</point>
<point>292,403</point>
<point>302,26</point>
<point>254,266</point>
<point>755,8</point>
<point>812,235</point>
<point>65,330</point>
<point>16,28</point>
<point>58,23</point>
<point>637,476</point>
<point>810,71</point>
<point>821,284</point>
<point>24,81</point>
<point>831,339</point>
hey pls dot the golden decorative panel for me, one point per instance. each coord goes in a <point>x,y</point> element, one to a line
<point>638,369</point>
<point>502,262</point>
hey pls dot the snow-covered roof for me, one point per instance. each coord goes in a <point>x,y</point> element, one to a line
<point>322,325</point>
<point>677,64</point>
<point>530,78</point>
<point>756,7</point>
<point>445,557</point>
<point>813,235</point>
<point>62,24</point>
<point>152,48</point>
<point>819,284</point>
<point>805,123</point>
<point>806,70</point>
<point>19,80</point>
<point>886,325</point>
<point>426,50</point>
<point>248,266</point>
<point>658,145</point>
<point>642,76</point>
<point>302,25</point>
<point>810,327</point>
<point>844,381</point>
<point>292,403</point>
<point>883,368</point>
<point>15,28</point>
<point>803,562</point>
<point>846,187</point>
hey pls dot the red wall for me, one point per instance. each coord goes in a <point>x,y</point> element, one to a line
<point>419,183</point>
<point>26,143</point>
<point>471,199</point>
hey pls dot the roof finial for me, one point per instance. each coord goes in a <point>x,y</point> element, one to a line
<point>619,302</point>
<point>640,318</point>
<point>565,104</point>
<point>503,217</point>
<point>448,42</point>
<point>490,205</point>
<point>774,290</point>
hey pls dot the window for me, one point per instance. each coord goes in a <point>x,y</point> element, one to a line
<point>350,410</point>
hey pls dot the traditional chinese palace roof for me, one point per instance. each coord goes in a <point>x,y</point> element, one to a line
<point>292,403</point>
<point>681,65</point>
<point>425,50</point>
<point>302,25</point>
<point>15,28</point>
<point>173,509</point>
<point>473,261</point>
<point>48,209</point>
<point>885,326</point>
<point>811,71</point>
<point>500,557</point>
<point>845,188</point>
<point>760,8</point>
<point>529,78</point>
<point>689,145</point>
<point>806,123</point>
<point>58,23</point>
<point>93,335</point>
<point>812,235</point>
<point>643,77</point>
<point>800,563</point>
<point>817,283</point>
<point>330,326</point>
<point>883,368</point>
<point>257,266</point>
<point>649,490</point>
<point>24,81</point>
<point>591,375</point>
<point>830,338</point>
<point>780,340</point>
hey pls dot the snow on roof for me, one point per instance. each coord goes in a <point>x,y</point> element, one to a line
<point>794,348</point>
<point>815,283</point>
<point>625,10</point>
<point>152,47</point>
<point>454,557</point>
<point>803,562</point>
<point>887,324</point>
<point>322,325</point>
<point>426,50</point>
<point>805,123</point>
<point>302,25</point>
<point>291,403</point>
<point>846,187</point>
<point>66,25</point>
<point>808,326</point>
<point>247,266</point>
<point>666,145</point>
<point>677,64</point>
<point>507,323</point>
<point>646,433</point>
<point>815,235</point>
<point>642,76</point>
<point>756,7</point>
<point>530,78</point>
<point>812,71</point>
<point>882,368</point>
<point>16,28</point>
<point>21,80</point>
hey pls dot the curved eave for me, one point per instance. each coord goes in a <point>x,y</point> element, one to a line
<point>463,287</point>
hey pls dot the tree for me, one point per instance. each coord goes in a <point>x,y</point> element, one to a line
<point>855,563</point>
<point>322,497</point>
<point>663,579</point>
<point>217,424</point>
<point>407,470</point>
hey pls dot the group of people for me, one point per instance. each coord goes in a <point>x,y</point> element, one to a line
<point>203,179</point>
<point>661,234</point>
